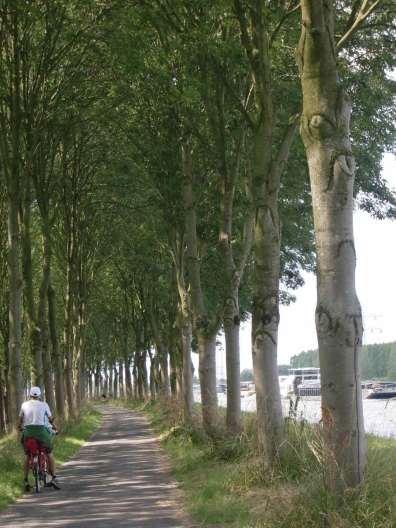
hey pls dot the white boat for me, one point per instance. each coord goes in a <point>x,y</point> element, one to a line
<point>297,377</point>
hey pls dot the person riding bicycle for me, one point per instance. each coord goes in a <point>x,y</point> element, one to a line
<point>34,418</point>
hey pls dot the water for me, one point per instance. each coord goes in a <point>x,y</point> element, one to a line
<point>379,415</point>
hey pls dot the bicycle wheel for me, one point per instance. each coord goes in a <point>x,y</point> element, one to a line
<point>43,468</point>
<point>36,474</point>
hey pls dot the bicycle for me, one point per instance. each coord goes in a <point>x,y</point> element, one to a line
<point>38,462</point>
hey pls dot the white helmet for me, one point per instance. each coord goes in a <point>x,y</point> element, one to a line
<point>35,392</point>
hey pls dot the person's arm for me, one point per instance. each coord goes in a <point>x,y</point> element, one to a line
<point>51,418</point>
<point>20,421</point>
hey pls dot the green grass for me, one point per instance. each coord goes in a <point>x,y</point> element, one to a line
<point>226,484</point>
<point>69,441</point>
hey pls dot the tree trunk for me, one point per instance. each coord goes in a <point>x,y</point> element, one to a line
<point>115,382</point>
<point>35,338</point>
<point>231,333</point>
<point>188,398</point>
<point>173,374</point>
<point>2,404</point>
<point>205,328</point>
<point>325,132</point>
<point>265,322</point>
<point>121,379</point>
<point>56,355</point>
<point>135,379</point>
<point>266,172</point>
<point>143,370</point>
<point>98,387</point>
<point>165,382</point>
<point>89,382</point>
<point>68,345</point>
<point>207,378</point>
<point>153,388</point>
<point>162,357</point>
<point>43,325</point>
<point>128,378</point>
<point>15,309</point>
<point>185,328</point>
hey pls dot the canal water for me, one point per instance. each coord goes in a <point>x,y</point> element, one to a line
<point>379,415</point>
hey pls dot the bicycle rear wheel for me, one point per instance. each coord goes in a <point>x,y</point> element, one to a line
<point>36,477</point>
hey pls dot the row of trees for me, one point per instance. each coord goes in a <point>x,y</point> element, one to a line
<point>378,361</point>
<point>156,190</point>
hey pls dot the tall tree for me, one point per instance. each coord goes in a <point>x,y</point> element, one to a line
<point>326,134</point>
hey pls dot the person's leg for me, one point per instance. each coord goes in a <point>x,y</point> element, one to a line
<point>51,470</point>
<point>51,464</point>
<point>26,467</point>
<point>26,474</point>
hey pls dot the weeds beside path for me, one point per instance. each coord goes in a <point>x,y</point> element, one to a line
<point>226,485</point>
<point>72,436</point>
<point>119,478</point>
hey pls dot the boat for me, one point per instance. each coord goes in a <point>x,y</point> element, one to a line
<point>382,390</point>
<point>247,388</point>
<point>299,377</point>
<point>309,388</point>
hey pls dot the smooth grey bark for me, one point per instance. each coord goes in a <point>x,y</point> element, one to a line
<point>68,344</point>
<point>205,328</point>
<point>35,337</point>
<point>185,326</point>
<point>229,174</point>
<point>43,323</point>
<point>56,355</point>
<point>268,164</point>
<point>98,382</point>
<point>11,155</point>
<point>128,377</point>
<point>78,311</point>
<point>2,403</point>
<point>115,382</point>
<point>91,388</point>
<point>188,399</point>
<point>153,387</point>
<point>207,377</point>
<point>231,313</point>
<point>121,379</point>
<point>173,374</point>
<point>15,309</point>
<point>325,132</point>
<point>265,312</point>
<point>142,381</point>
<point>135,378</point>
<point>162,356</point>
<point>111,381</point>
<point>266,245</point>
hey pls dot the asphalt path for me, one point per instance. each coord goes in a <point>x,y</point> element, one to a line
<point>120,478</point>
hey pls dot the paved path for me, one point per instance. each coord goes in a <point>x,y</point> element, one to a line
<point>120,478</point>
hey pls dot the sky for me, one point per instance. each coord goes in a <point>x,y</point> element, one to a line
<point>375,242</point>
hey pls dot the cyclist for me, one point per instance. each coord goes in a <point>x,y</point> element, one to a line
<point>34,417</point>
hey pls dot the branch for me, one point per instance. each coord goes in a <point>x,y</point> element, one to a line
<point>242,106</point>
<point>281,22</point>
<point>360,18</point>
<point>284,151</point>
<point>248,230</point>
<point>243,24</point>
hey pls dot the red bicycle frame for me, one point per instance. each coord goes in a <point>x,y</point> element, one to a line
<point>38,461</point>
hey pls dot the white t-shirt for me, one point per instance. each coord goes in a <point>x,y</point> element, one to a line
<point>35,412</point>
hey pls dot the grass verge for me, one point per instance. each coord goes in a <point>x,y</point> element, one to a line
<point>69,441</point>
<point>225,483</point>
